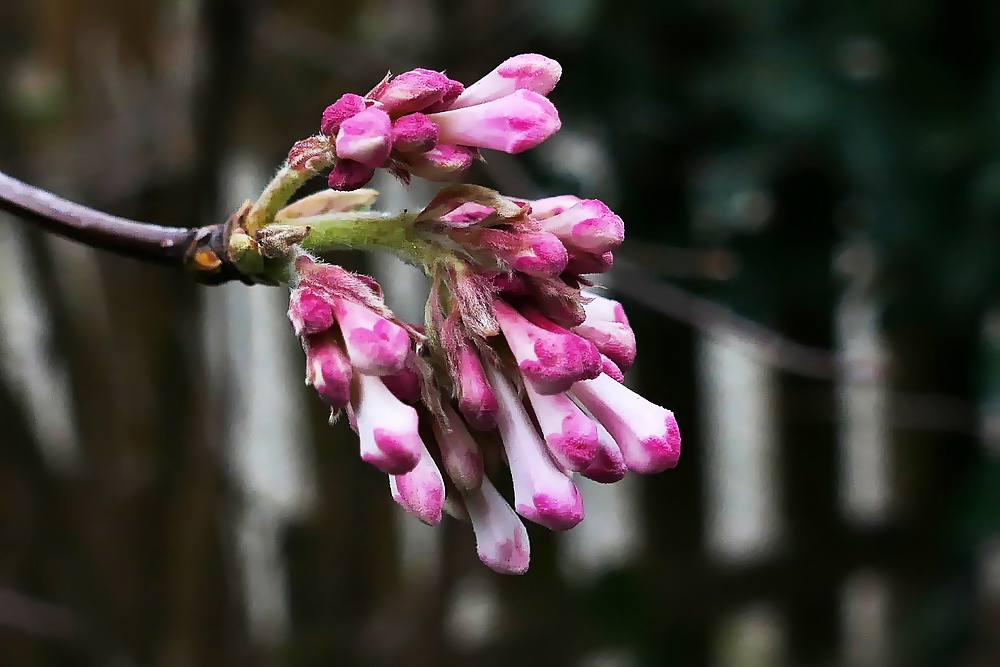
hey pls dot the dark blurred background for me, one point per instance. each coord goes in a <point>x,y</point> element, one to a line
<point>812,195</point>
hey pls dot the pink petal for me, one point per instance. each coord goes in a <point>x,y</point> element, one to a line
<point>589,225</point>
<point>571,436</point>
<point>613,339</point>
<point>414,90</point>
<point>375,345</point>
<point>366,137</point>
<point>335,114</point>
<point>415,133</point>
<point>349,175</point>
<point>501,540</point>
<point>441,163</point>
<point>421,491</point>
<point>511,124</point>
<point>542,493</point>
<point>550,357</point>
<point>528,71</point>
<point>536,253</point>
<point>387,428</point>
<point>608,465</point>
<point>646,433</point>
<point>309,311</point>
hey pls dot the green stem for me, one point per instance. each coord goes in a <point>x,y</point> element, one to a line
<point>277,194</point>
<point>367,231</point>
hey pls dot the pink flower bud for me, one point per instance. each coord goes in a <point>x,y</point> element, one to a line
<point>551,358</point>
<point>375,345</point>
<point>613,339</point>
<point>607,466</point>
<point>589,225</point>
<point>535,253</point>
<point>528,71</point>
<point>366,137</point>
<point>476,400</point>
<point>387,427</point>
<point>308,153</point>
<point>415,133</point>
<point>646,433</point>
<point>421,491</point>
<point>501,540</point>
<point>414,90</point>
<point>570,435</point>
<point>542,493</point>
<point>459,454</point>
<point>349,175</point>
<point>328,370</point>
<point>335,114</point>
<point>309,311</point>
<point>442,163</point>
<point>511,124</point>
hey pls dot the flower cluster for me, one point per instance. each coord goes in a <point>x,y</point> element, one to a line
<point>424,123</point>
<point>519,360</point>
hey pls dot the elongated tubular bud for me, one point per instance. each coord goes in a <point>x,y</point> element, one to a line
<point>571,436</point>
<point>552,359</point>
<point>527,71</point>
<point>387,427</point>
<point>421,491</point>
<point>646,433</point>
<point>542,493</point>
<point>613,339</point>
<point>376,346</point>
<point>501,540</point>
<point>511,124</point>
<point>460,456</point>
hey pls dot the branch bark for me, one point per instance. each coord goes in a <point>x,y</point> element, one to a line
<point>200,250</point>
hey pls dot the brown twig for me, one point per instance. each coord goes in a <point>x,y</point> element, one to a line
<point>199,250</point>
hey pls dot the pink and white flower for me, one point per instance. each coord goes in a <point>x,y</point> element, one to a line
<point>512,340</point>
<point>501,540</point>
